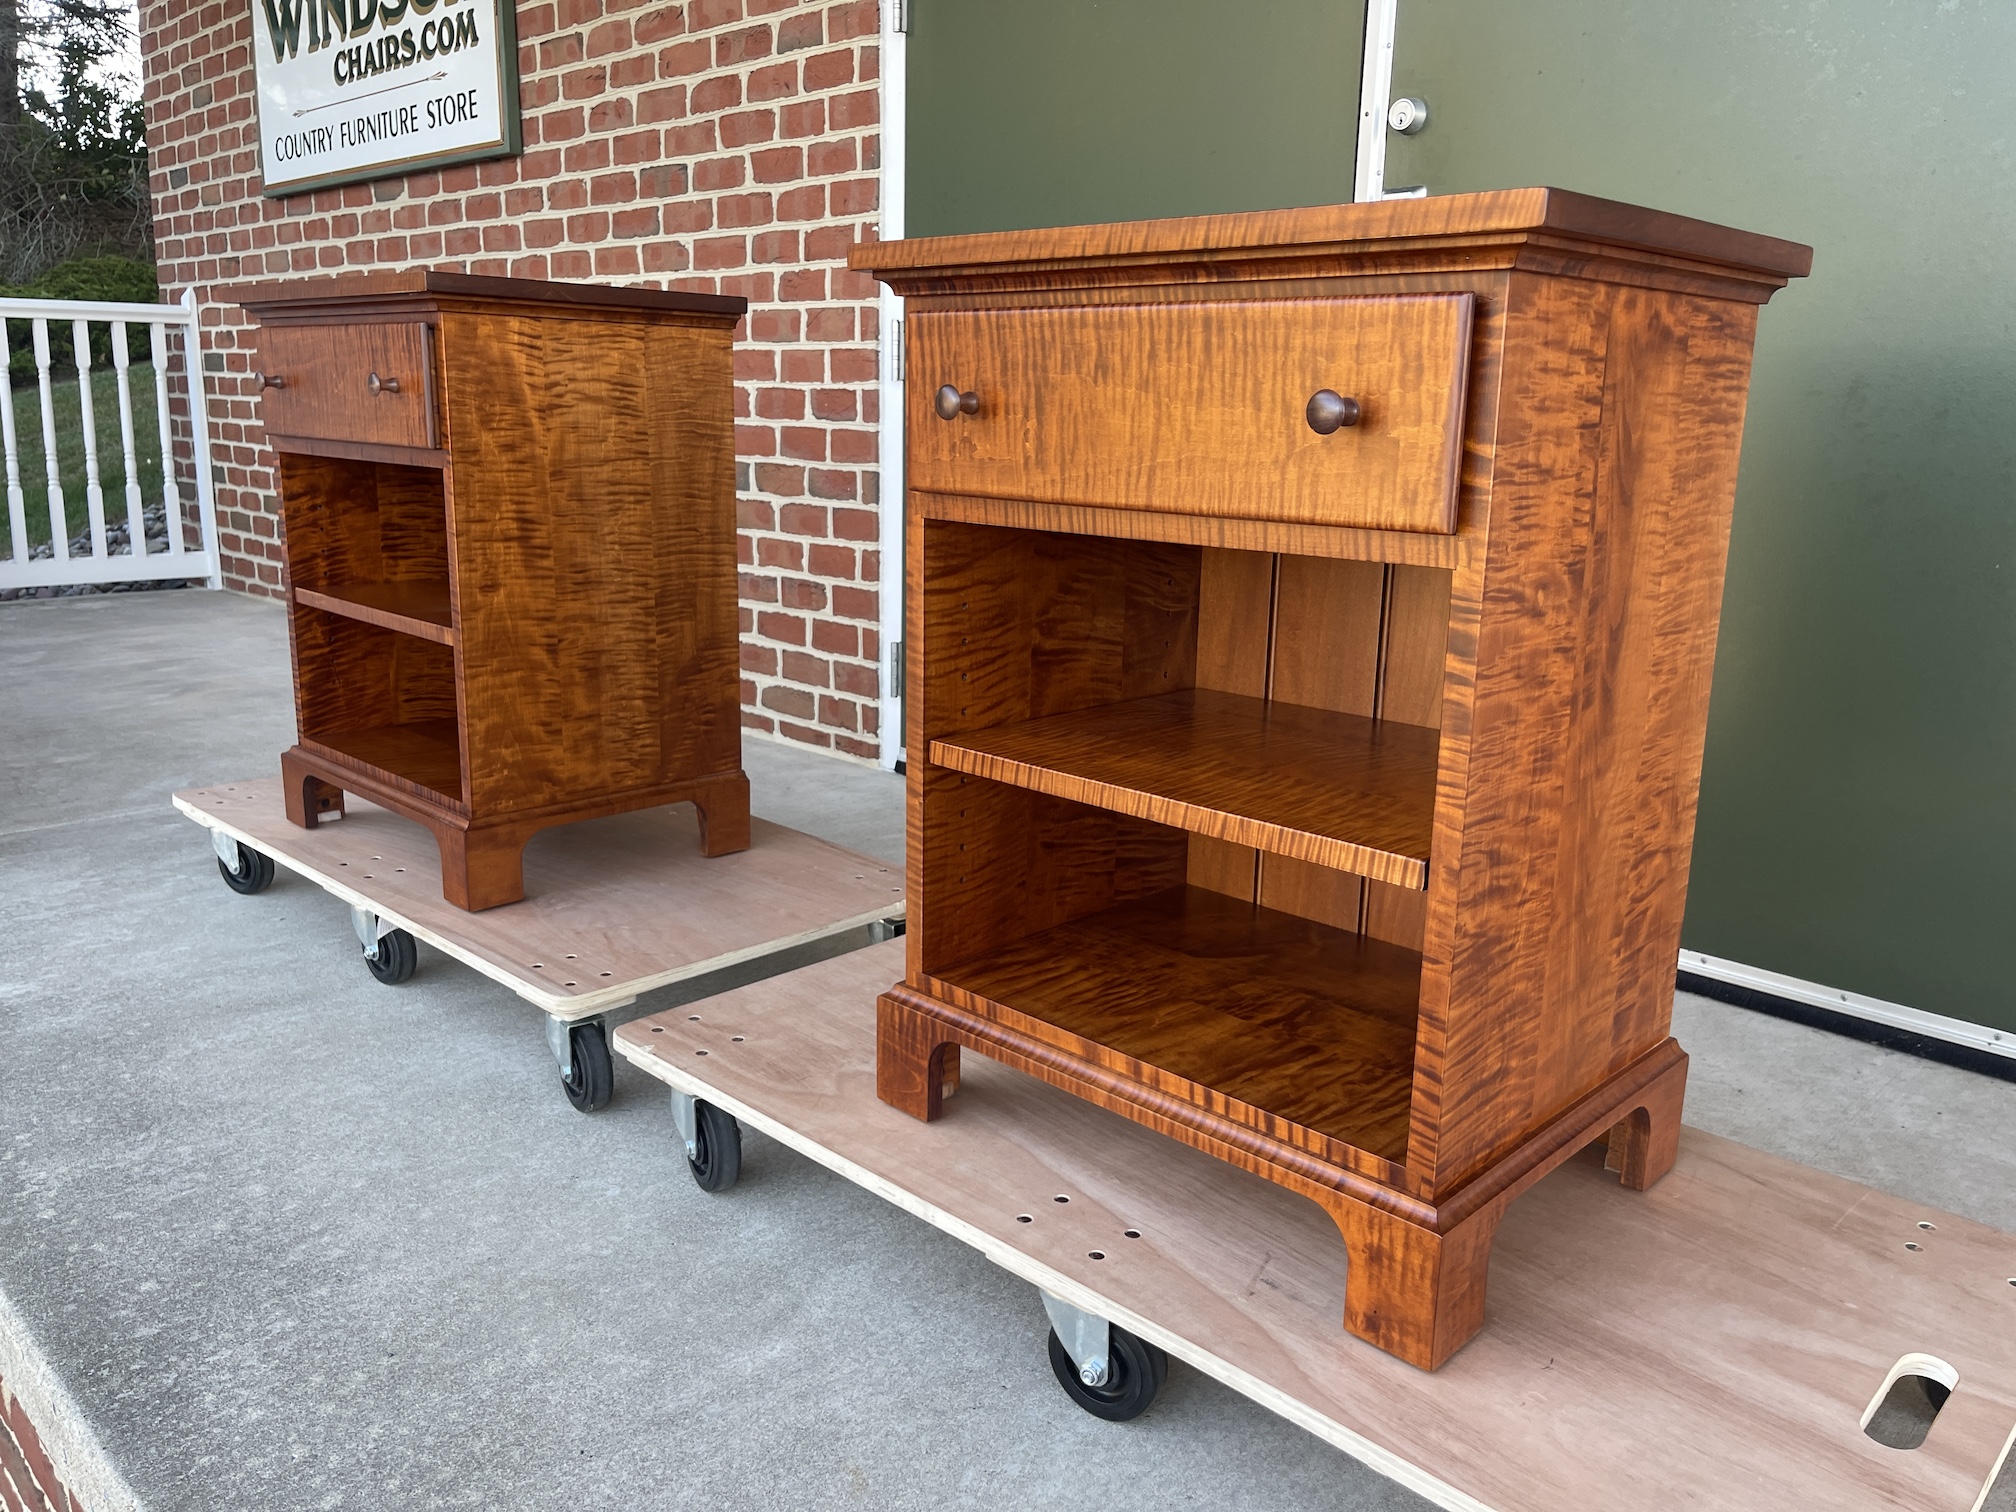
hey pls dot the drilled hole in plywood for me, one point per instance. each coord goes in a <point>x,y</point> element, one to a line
<point>1914,1246</point>
<point>570,984</point>
<point>699,1052</point>
<point>692,1018</point>
<point>1095,1254</point>
<point>1133,1233</point>
<point>1024,1218</point>
<point>657,1028</point>
<point>1905,1406</point>
<point>735,1039</point>
<point>1928,1227</point>
<point>607,973</point>
<point>573,958</point>
<point>538,965</point>
<point>1060,1198</point>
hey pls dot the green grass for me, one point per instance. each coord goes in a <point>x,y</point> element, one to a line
<point>70,452</point>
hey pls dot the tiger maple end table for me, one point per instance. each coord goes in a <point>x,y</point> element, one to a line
<point>1312,616</point>
<point>510,511</point>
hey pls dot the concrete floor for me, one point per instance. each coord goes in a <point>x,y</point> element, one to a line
<point>286,1238</point>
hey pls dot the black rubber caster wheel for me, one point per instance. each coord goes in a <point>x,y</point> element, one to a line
<point>592,1078</point>
<point>397,956</point>
<point>719,1163</point>
<point>1135,1371</point>
<point>254,873</point>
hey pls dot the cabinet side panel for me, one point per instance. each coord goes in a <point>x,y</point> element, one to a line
<point>1502,796</point>
<point>1609,527</point>
<point>593,509</point>
<point>1676,386</point>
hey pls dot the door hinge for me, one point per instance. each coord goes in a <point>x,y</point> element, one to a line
<point>896,669</point>
<point>899,15</point>
<point>893,352</point>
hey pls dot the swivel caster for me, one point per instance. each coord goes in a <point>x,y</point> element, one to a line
<point>582,1049</point>
<point>713,1142</point>
<point>1105,1370</point>
<point>389,952</point>
<point>244,869</point>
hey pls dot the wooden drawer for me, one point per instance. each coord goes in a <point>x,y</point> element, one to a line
<point>326,392</point>
<point>1200,408</point>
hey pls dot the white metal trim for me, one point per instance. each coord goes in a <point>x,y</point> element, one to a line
<point>1854,1004</point>
<point>1375,85</point>
<point>889,382</point>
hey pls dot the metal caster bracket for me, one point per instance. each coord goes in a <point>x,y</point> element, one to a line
<point>885,929</point>
<point>370,928</point>
<point>227,852</point>
<point>1086,1337</point>
<point>686,1114</point>
<point>560,1040</point>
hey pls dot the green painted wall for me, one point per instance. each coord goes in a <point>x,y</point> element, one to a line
<point>1060,112</point>
<point>1858,809</point>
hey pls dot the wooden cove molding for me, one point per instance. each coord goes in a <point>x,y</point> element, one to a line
<point>1710,1343</point>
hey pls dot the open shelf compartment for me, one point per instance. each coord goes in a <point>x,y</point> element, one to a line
<point>369,541</point>
<point>1332,788</point>
<point>1286,1016</point>
<point>379,698</point>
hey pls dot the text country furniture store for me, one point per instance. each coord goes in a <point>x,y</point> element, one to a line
<point>725,146</point>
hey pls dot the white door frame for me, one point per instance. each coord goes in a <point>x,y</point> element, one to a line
<point>1375,89</point>
<point>892,510</point>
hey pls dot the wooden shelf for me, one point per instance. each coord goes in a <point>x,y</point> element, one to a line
<point>427,753</point>
<point>416,607</point>
<point>1293,1018</point>
<point>1336,789</point>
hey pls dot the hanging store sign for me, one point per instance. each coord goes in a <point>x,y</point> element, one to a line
<point>364,89</point>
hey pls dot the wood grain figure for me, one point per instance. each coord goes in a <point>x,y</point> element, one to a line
<point>1324,806</point>
<point>511,553</point>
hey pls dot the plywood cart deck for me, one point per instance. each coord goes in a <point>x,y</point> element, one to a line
<point>1714,1343</point>
<point>614,907</point>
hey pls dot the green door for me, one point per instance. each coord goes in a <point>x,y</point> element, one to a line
<point>1858,811</point>
<point>1065,112</point>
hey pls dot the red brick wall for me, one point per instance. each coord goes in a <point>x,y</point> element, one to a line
<point>28,1481</point>
<point>721,145</point>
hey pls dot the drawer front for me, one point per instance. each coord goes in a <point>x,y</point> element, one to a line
<point>1200,408</point>
<point>326,391</point>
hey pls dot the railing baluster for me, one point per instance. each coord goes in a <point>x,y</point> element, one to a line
<point>87,419</point>
<point>171,495</point>
<point>59,519</point>
<point>122,364</point>
<point>30,568</point>
<point>17,500</point>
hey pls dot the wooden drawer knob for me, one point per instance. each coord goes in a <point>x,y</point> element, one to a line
<point>952,404</point>
<point>1329,412</point>
<point>270,380</point>
<point>379,385</point>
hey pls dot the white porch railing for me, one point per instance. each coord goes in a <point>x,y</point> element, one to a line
<point>185,453</point>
